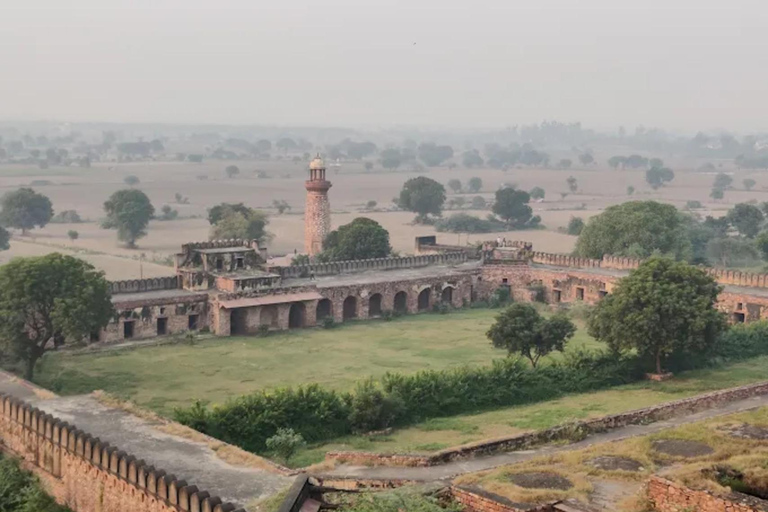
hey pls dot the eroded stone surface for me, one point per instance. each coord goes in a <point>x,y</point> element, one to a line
<point>541,480</point>
<point>682,448</point>
<point>614,463</point>
<point>747,431</point>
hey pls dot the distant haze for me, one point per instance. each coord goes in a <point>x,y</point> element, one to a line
<point>685,64</point>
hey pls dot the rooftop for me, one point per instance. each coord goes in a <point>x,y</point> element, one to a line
<point>225,250</point>
<point>153,295</point>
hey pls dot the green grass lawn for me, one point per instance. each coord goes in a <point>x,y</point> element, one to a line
<point>439,433</point>
<point>215,369</point>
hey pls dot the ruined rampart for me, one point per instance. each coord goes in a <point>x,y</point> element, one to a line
<point>341,267</point>
<point>89,475</point>
<point>144,285</point>
<point>668,496</point>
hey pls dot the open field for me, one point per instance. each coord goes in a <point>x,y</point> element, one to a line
<point>439,433</point>
<point>85,191</point>
<point>214,370</point>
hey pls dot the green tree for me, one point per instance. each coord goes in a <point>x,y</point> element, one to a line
<point>478,203</point>
<point>732,252</point>
<point>537,193</point>
<point>285,443</point>
<point>749,183</point>
<point>586,159</point>
<point>475,184</point>
<point>369,166</point>
<point>423,196</point>
<point>246,225</point>
<point>575,226</point>
<point>49,300</point>
<point>24,209</point>
<point>520,329</point>
<point>454,185</point>
<point>761,242</point>
<point>512,206</point>
<point>281,206</point>
<point>635,228</point>
<point>73,235</point>
<point>722,181</point>
<point>573,186</point>
<point>658,176</point>
<point>565,163</point>
<point>746,218</point>
<point>433,155</point>
<point>232,171</point>
<point>662,307</point>
<point>215,213</point>
<point>472,159</point>
<point>717,193</point>
<point>630,190</point>
<point>391,158</point>
<point>131,180</point>
<point>128,211</point>
<point>361,239</point>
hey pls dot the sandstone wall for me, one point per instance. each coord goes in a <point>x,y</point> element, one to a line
<point>668,496</point>
<point>88,475</point>
<point>178,314</point>
<point>341,267</point>
<point>144,285</point>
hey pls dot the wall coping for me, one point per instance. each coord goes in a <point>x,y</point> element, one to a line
<point>347,266</point>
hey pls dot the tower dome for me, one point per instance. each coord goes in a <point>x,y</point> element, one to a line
<point>317,163</point>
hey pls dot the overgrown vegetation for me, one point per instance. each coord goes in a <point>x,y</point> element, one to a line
<point>20,491</point>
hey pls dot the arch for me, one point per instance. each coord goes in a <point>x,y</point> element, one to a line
<point>324,309</point>
<point>268,316</point>
<point>424,298</point>
<point>401,302</point>
<point>350,307</point>
<point>374,305</point>
<point>446,296</point>
<point>297,315</point>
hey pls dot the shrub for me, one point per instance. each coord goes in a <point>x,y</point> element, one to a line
<point>72,234</point>
<point>441,308</point>
<point>20,491</point>
<point>285,443</point>
<point>539,292</point>
<point>329,322</point>
<point>575,226</point>
<point>372,408</point>
<point>67,217</point>
<point>500,297</point>
<point>743,341</point>
<point>465,223</point>
<point>263,330</point>
<point>387,315</point>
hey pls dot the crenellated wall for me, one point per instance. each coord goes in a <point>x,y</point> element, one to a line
<point>341,267</point>
<point>89,475</point>
<point>144,285</point>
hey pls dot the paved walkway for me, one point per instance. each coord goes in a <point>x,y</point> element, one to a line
<point>192,461</point>
<point>452,469</point>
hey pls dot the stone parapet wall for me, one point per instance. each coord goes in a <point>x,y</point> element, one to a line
<point>474,499</point>
<point>668,496</point>
<point>341,267</point>
<point>557,433</point>
<point>144,285</point>
<point>89,475</point>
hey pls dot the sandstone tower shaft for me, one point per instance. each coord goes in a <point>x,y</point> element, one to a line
<point>317,215</point>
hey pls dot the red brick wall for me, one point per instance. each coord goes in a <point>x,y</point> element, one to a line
<point>90,476</point>
<point>668,496</point>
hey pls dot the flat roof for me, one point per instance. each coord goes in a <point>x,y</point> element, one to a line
<point>224,250</point>
<point>269,299</point>
<point>154,294</point>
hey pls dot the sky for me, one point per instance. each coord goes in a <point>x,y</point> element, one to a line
<point>678,64</point>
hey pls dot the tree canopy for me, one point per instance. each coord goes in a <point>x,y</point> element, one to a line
<point>475,184</point>
<point>659,176</point>
<point>361,239</point>
<point>48,300</point>
<point>24,209</point>
<point>423,196</point>
<point>637,229</point>
<point>5,239</point>
<point>722,181</point>
<point>238,221</point>
<point>128,211</point>
<point>433,155</point>
<point>512,206</point>
<point>662,307</point>
<point>454,185</point>
<point>471,159</point>
<point>520,329</point>
<point>746,218</point>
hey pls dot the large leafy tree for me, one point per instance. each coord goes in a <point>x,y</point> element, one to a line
<point>746,218</point>
<point>662,307</point>
<point>635,228</point>
<point>217,212</point>
<point>24,209</point>
<point>128,211</point>
<point>5,238</point>
<point>512,205</point>
<point>423,196</point>
<point>659,176</point>
<point>520,329</point>
<point>248,224</point>
<point>49,300</point>
<point>361,239</point>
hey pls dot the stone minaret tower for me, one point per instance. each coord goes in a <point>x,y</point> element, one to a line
<point>317,215</point>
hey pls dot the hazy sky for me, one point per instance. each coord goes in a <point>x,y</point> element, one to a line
<point>462,63</point>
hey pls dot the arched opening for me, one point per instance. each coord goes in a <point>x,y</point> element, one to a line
<point>350,308</point>
<point>424,299</point>
<point>296,315</point>
<point>237,322</point>
<point>446,297</point>
<point>401,303</point>
<point>374,305</point>
<point>324,309</point>
<point>268,316</point>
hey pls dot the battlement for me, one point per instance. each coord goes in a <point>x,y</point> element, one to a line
<point>342,267</point>
<point>144,285</point>
<point>82,465</point>
<point>220,244</point>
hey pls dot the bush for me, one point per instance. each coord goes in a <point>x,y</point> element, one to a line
<point>285,443</point>
<point>372,408</point>
<point>73,235</point>
<point>441,308</point>
<point>465,223</point>
<point>539,292</point>
<point>67,217</point>
<point>387,315</point>
<point>575,226</point>
<point>329,322</point>
<point>20,491</point>
<point>263,330</point>
<point>500,297</point>
<point>743,341</point>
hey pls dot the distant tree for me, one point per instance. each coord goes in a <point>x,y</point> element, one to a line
<point>233,223</point>
<point>520,329</point>
<point>575,226</point>
<point>369,166</point>
<point>616,162</point>
<point>565,163</point>
<point>635,162</point>
<point>285,443</point>
<point>749,183</point>
<point>128,211</point>
<point>729,251</point>
<point>433,155</point>
<point>370,205</point>
<point>537,193</point>
<point>662,307</point>
<point>474,184</point>
<point>286,144</point>
<point>24,209</point>
<point>512,206</point>
<point>746,218</point>
<point>630,190</point>
<point>722,181</point>
<point>168,213</point>
<point>693,205</point>
<point>471,159</point>
<point>586,159</point>
<point>156,146</point>
<point>131,180</point>
<point>391,158</point>
<point>361,239</point>
<point>263,146</point>
<point>478,203</point>
<point>232,171</point>
<point>73,235</point>
<point>423,196</point>
<point>5,239</point>
<point>457,202</point>
<point>637,229</point>
<point>656,162</point>
<point>658,176</point>
<point>67,217</point>
<point>717,193</point>
<point>47,301</point>
<point>215,213</point>
<point>281,206</point>
<point>180,199</point>
<point>195,158</point>
<point>573,186</point>
<point>761,241</point>
<point>454,185</point>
